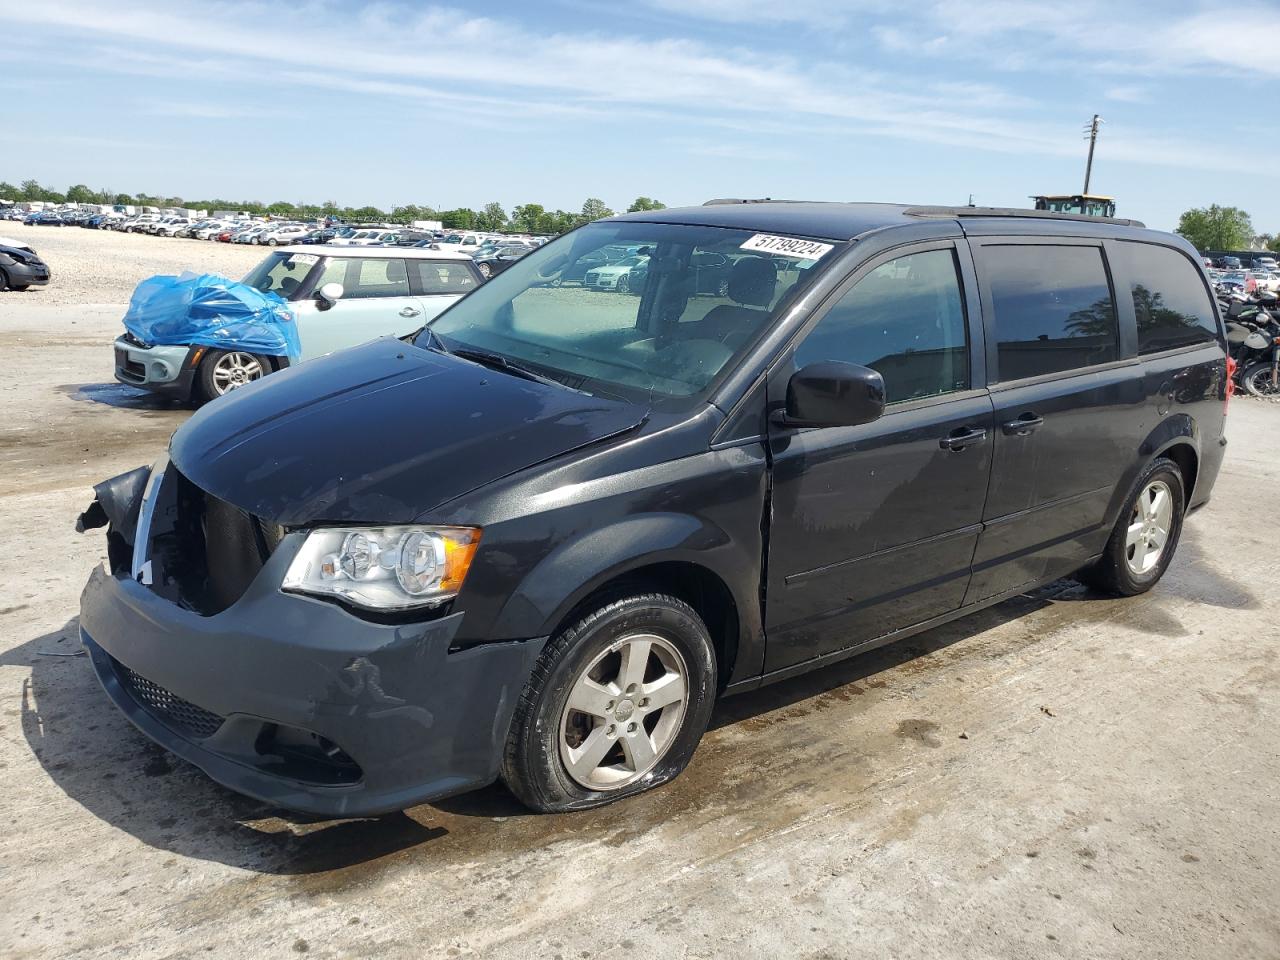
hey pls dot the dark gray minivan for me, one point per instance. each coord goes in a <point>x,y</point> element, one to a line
<point>537,539</point>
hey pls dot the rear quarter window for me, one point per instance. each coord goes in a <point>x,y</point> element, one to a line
<point>1170,301</point>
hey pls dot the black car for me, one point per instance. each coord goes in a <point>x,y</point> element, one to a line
<point>493,260</point>
<point>21,268</point>
<point>540,539</point>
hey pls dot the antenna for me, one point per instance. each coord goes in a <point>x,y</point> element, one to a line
<point>1091,134</point>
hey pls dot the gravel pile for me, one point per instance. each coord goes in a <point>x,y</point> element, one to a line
<point>102,266</point>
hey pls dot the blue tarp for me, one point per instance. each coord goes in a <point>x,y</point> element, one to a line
<point>212,311</point>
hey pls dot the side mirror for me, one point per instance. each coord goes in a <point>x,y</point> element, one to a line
<point>833,394</point>
<point>328,295</point>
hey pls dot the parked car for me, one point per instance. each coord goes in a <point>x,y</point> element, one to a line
<point>540,540</point>
<point>20,267</point>
<point>317,236</point>
<point>493,259</point>
<point>366,238</point>
<point>287,233</point>
<point>617,276</point>
<point>461,242</point>
<point>340,297</point>
<point>172,227</point>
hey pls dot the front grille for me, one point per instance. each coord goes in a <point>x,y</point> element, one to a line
<point>174,712</point>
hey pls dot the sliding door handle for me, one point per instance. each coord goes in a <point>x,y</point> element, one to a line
<point>1024,426</point>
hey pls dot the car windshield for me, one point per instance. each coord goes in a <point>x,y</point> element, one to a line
<point>666,324</point>
<point>281,273</point>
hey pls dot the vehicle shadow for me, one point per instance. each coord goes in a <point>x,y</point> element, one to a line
<point>103,763</point>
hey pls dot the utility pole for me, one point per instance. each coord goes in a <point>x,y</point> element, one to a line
<point>1092,131</point>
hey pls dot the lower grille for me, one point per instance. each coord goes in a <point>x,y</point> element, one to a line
<point>174,712</point>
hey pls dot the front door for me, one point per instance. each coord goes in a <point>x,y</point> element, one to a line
<point>874,526</point>
<point>376,302</point>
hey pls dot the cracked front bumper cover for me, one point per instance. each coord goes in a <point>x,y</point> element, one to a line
<point>417,721</point>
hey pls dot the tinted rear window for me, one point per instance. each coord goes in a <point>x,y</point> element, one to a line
<point>1053,308</point>
<point>1169,298</point>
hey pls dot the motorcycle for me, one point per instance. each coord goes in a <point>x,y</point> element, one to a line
<point>1253,340</point>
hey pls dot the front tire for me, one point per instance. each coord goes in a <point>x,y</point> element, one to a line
<point>1142,545</point>
<point>222,371</point>
<point>615,706</point>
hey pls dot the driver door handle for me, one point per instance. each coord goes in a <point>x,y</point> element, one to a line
<point>410,312</point>
<point>1024,426</point>
<point>959,439</point>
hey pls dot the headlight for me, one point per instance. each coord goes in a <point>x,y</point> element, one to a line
<point>384,568</point>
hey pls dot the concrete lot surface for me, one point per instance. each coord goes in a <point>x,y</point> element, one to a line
<point>1060,776</point>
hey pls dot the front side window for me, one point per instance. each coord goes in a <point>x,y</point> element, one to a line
<point>1169,299</point>
<point>443,276</point>
<point>658,328</point>
<point>906,320</point>
<point>365,278</point>
<point>281,273</point>
<point>1053,308</point>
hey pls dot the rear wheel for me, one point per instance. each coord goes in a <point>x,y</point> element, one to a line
<point>1146,535</point>
<point>486,271</point>
<point>616,705</point>
<point>1259,379</point>
<point>222,371</point>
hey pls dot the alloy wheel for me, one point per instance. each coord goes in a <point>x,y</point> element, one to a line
<point>235,369</point>
<point>1149,528</point>
<point>624,711</point>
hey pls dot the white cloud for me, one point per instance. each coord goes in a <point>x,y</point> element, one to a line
<point>1129,93</point>
<point>493,71</point>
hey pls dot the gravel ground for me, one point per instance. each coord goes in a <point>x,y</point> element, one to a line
<point>1061,776</point>
<point>103,266</point>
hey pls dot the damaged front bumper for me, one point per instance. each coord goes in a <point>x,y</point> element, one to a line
<point>296,701</point>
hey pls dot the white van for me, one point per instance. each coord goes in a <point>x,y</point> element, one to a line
<point>340,297</point>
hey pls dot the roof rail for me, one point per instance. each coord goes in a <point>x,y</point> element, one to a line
<point>723,200</point>
<point>1018,212</point>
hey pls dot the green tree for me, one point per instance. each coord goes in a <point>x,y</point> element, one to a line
<point>80,193</point>
<point>527,215</point>
<point>1216,228</point>
<point>492,217</point>
<point>640,204</point>
<point>464,218</point>
<point>8,190</point>
<point>593,209</point>
<point>1274,245</point>
<point>280,207</point>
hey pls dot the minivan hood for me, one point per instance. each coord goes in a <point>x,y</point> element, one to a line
<point>382,433</point>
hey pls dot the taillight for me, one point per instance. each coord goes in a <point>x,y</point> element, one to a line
<point>1231,383</point>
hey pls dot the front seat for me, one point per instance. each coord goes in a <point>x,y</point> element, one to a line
<point>752,281</point>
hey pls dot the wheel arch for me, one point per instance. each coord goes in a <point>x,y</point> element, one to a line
<point>676,554</point>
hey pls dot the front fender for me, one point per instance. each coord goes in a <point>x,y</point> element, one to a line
<point>577,568</point>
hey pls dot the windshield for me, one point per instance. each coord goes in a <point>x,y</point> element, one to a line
<point>678,304</point>
<point>281,273</point>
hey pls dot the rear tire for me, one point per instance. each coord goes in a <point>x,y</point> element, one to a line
<point>634,733</point>
<point>1145,536</point>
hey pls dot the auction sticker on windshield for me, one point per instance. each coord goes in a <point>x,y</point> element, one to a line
<point>303,259</point>
<point>787,246</point>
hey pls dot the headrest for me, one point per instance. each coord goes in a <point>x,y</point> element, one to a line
<point>751,281</point>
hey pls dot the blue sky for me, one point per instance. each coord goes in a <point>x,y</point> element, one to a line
<point>552,102</point>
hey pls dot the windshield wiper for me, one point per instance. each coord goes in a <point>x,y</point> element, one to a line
<point>497,361</point>
<point>437,344</point>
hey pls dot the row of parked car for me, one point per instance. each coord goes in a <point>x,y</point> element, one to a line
<point>1229,275</point>
<point>492,252</point>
